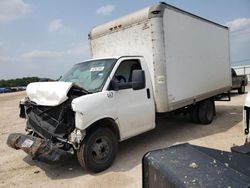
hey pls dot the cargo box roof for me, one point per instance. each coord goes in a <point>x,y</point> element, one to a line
<point>156,10</point>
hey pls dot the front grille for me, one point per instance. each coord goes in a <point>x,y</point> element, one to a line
<point>32,124</point>
<point>45,117</point>
<point>42,127</point>
<point>51,121</point>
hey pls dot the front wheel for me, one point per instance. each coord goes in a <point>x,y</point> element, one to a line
<point>98,150</point>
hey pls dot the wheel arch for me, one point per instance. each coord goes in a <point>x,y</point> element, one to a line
<point>105,122</point>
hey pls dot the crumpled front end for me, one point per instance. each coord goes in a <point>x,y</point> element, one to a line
<point>50,128</point>
<point>55,122</point>
<point>50,122</point>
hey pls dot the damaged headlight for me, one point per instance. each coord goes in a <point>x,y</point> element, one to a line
<point>77,136</point>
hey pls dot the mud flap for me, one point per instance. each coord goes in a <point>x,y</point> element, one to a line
<point>39,149</point>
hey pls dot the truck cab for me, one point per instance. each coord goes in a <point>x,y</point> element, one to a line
<point>125,92</point>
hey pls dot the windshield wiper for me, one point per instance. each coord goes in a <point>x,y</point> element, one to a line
<point>81,88</point>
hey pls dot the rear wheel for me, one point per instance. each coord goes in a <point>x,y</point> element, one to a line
<point>98,150</point>
<point>241,90</point>
<point>193,113</point>
<point>206,111</point>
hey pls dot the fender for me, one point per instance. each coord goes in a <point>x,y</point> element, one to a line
<point>93,107</point>
<point>101,119</point>
<point>78,134</point>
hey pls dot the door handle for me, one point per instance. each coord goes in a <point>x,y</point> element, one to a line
<point>148,93</point>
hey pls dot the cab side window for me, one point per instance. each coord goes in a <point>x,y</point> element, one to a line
<point>124,72</point>
<point>233,73</point>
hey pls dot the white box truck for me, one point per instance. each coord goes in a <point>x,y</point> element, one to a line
<point>156,60</point>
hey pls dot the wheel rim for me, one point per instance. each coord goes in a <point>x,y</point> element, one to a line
<point>101,149</point>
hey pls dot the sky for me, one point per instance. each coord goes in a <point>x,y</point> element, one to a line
<point>46,38</point>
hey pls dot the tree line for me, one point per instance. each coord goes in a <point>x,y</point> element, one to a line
<point>18,82</point>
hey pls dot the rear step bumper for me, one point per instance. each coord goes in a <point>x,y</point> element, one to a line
<point>39,149</point>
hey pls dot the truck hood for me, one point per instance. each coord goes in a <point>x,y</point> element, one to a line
<point>48,93</point>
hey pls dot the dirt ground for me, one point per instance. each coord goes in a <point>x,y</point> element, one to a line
<point>19,170</point>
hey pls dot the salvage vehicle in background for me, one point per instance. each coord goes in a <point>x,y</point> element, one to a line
<point>157,60</point>
<point>239,82</point>
<point>246,118</point>
<point>245,148</point>
<point>5,90</point>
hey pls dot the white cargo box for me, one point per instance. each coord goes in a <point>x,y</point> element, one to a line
<point>187,56</point>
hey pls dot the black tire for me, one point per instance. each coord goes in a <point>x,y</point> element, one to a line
<point>206,111</point>
<point>98,150</point>
<point>193,113</point>
<point>241,90</point>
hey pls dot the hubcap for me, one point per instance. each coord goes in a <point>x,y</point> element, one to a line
<point>100,149</point>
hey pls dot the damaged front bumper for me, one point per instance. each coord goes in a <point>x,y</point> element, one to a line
<point>39,149</point>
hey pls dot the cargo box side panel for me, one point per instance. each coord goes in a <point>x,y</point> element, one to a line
<point>197,57</point>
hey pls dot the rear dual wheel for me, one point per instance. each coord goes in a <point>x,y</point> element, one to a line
<point>194,114</point>
<point>203,112</point>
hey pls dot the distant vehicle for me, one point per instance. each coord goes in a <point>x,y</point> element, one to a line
<point>46,80</point>
<point>17,88</point>
<point>239,82</point>
<point>5,90</point>
<point>22,88</point>
<point>245,148</point>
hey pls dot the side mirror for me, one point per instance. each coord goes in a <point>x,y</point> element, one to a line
<point>138,79</point>
<point>114,85</point>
